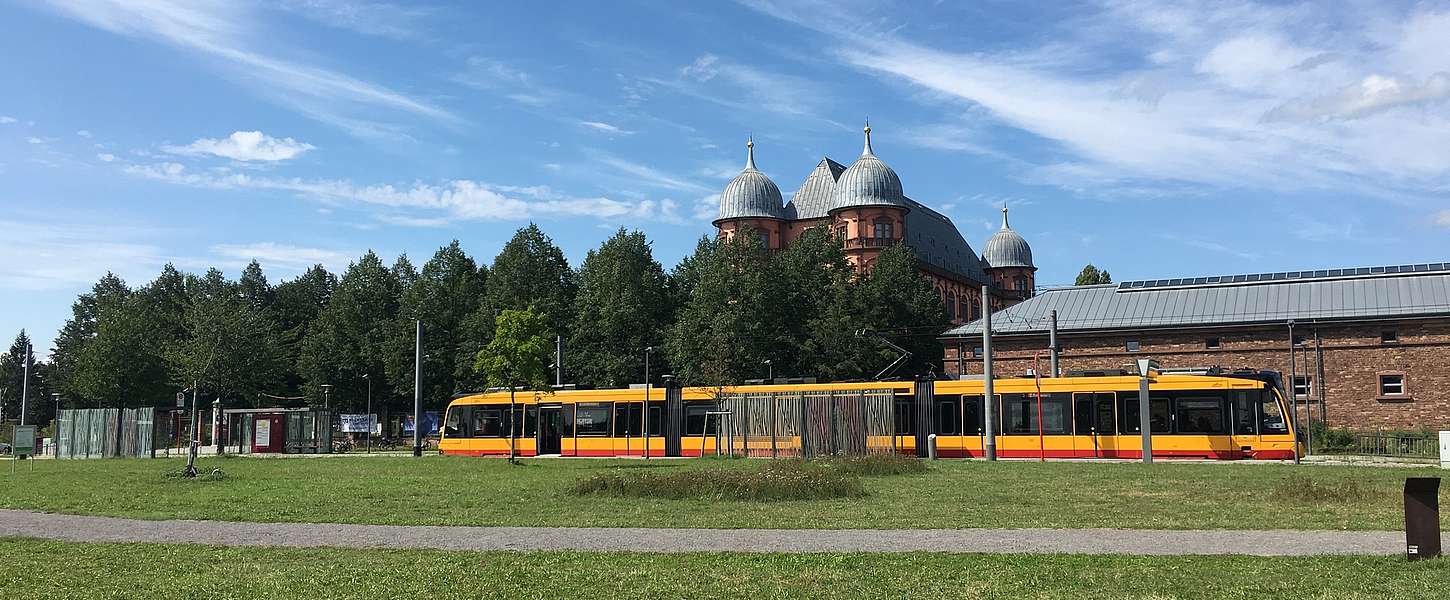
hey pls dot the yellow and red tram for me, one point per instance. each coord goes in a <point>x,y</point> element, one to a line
<point>1213,416</point>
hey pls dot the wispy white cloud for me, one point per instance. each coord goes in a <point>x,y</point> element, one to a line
<point>286,258</point>
<point>746,88</point>
<point>493,75</point>
<point>1442,218</point>
<point>106,157</point>
<point>6,119</point>
<point>647,175</point>
<point>368,18</point>
<point>459,200</point>
<point>1222,94</point>
<point>1211,246</point>
<point>605,127</point>
<point>84,133</point>
<point>34,140</point>
<point>228,32</point>
<point>48,254</point>
<point>244,146</point>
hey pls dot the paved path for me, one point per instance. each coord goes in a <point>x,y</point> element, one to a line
<point>1073,541</point>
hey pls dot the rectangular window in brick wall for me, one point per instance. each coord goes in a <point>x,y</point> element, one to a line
<point>1303,386</point>
<point>1392,385</point>
<point>1212,343</point>
<point>1132,346</point>
<point>1389,336</point>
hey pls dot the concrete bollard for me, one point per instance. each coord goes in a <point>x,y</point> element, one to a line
<point>931,446</point>
<point>1422,517</point>
<point>1445,449</point>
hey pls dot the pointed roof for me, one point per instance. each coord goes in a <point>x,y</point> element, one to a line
<point>751,194</point>
<point>868,182</point>
<point>1007,248</point>
<point>813,199</point>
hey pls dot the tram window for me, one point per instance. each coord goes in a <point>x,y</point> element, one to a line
<point>1199,414</point>
<point>487,422</point>
<point>905,410</point>
<point>1093,414</point>
<point>972,417</point>
<point>592,419</point>
<point>948,415</point>
<point>454,423</point>
<point>1271,418</point>
<point>1246,416</point>
<point>1021,413</point>
<point>696,417</point>
<point>626,419</point>
<point>525,421</point>
<point>1158,415</point>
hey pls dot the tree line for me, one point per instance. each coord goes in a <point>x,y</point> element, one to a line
<point>716,318</point>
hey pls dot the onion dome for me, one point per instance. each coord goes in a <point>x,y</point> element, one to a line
<point>1006,248</point>
<point>868,182</point>
<point>751,195</point>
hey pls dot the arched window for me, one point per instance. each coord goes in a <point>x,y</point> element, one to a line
<point>952,306</point>
<point>976,310</point>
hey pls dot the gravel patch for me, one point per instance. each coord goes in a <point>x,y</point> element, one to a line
<point>78,528</point>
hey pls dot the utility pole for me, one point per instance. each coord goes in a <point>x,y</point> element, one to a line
<point>1052,343</point>
<point>644,420</point>
<point>1293,395</point>
<point>418,390</point>
<point>989,400</point>
<point>25,383</point>
<point>191,456</point>
<point>369,379</point>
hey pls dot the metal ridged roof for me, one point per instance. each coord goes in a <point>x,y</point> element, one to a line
<point>936,241</point>
<point>1109,307</point>
<point>868,182</point>
<point>751,194</point>
<point>1006,248</point>
<point>813,199</point>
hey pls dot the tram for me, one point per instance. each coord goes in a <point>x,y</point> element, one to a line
<point>1214,414</point>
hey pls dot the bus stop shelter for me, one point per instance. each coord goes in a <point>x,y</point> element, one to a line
<point>305,430</point>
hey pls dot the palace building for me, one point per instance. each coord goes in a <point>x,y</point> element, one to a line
<point>865,206</point>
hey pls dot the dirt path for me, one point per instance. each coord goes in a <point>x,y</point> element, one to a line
<point>1072,541</point>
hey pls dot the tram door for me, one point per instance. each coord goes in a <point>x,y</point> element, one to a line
<point>1096,424</point>
<point>551,429</point>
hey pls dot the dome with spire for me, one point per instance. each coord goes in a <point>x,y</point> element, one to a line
<point>751,195</point>
<point>868,182</point>
<point>1006,248</point>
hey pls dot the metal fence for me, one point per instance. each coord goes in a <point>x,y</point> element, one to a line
<point>807,424</point>
<point>105,432</point>
<point>1411,446</point>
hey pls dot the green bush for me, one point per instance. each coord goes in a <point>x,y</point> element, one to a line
<point>878,464</point>
<point>1332,439</point>
<point>1307,490</point>
<point>775,481</point>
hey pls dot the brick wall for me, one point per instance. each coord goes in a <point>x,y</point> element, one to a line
<point>1353,357</point>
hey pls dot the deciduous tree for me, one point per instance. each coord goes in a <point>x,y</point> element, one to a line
<point>623,305</point>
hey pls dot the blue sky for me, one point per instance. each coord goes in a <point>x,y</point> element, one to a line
<point>1152,140</point>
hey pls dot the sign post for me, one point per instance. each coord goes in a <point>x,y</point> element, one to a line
<point>1146,369</point>
<point>23,445</point>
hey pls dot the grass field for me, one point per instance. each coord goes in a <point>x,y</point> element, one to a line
<point>953,494</point>
<point>71,570</point>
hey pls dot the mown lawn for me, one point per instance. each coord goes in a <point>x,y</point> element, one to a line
<point>952,494</point>
<point>34,568</point>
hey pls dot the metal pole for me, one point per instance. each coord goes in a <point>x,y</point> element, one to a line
<point>961,360</point>
<point>1319,368</point>
<point>513,413</point>
<point>1052,343</point>
<point>989,400</point>
<point>418,390</point>
<point>644,419</point>
<point>25,383</point>
<point>370,412</point>
<point>1308,402</point>
<point>1145,421</point>
<point>559,360</point>
<point>1293,395</point>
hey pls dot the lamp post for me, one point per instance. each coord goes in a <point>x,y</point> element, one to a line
<point>326,396</point>
<point>370,412</point>
<point>644,420</point>
<point>769,371</point>
<point>55,425</point>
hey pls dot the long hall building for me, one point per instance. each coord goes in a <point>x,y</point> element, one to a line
<point>1369,346</point>
<point>865,206</point>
